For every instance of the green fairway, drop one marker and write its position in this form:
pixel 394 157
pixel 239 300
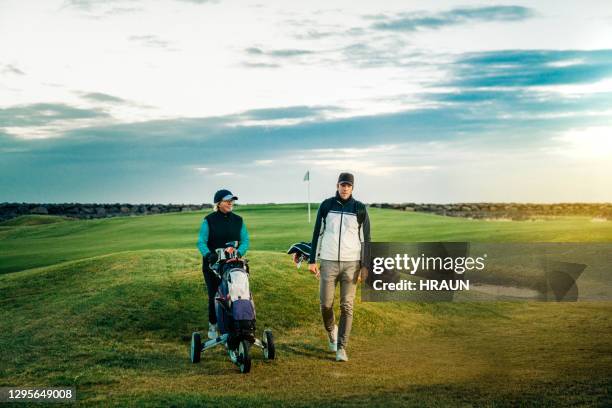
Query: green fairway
pixel 271 227
pixel 103 305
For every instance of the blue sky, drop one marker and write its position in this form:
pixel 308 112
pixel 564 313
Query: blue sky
pixel 168 101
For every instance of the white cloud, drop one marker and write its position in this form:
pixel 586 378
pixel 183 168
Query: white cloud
pixel 376 160
pixel 565 63
pixel 264 162
pixel 209 69
pixel 578 90
pixel 367 167
pixel 591 143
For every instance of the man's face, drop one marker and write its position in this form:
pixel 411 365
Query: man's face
pixel 226 206
pixel 345 190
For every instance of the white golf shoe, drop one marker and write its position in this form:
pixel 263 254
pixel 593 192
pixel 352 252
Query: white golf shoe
pixel 341 355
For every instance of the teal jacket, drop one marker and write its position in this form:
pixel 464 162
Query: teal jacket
pixel 203 239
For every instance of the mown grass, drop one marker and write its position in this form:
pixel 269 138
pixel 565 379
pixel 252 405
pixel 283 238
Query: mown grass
pixel 29 220
pixel 272 227
pixel 110 320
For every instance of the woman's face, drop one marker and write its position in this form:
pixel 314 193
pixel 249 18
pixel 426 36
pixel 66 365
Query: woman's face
pixel 226 206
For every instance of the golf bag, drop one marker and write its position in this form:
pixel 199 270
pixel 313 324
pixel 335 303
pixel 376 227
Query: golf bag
pixel 234 304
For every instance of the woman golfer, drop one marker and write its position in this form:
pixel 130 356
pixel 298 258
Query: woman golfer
pixel 219 228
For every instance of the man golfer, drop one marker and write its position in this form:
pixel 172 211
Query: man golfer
pixel 341 227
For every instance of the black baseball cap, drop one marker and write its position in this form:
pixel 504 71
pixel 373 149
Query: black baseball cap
pixel 224 195
pixel 346 178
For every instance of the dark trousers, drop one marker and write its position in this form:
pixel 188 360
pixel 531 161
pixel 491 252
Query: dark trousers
pixel 212 284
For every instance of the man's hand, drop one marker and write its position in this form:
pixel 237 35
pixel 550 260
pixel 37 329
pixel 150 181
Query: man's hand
pixel 363 274
pixel 313 268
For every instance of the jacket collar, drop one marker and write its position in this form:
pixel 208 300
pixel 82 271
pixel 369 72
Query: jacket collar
pixel 341 201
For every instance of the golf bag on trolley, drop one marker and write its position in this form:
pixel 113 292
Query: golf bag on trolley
pixel 235 312
pixel 234 304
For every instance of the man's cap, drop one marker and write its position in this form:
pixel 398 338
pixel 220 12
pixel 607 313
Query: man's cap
pixel 346 178
pixel 224 195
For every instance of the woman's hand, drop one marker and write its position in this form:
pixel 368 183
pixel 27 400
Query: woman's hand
pixel 313 268
pixel 212 258
pixel 230 251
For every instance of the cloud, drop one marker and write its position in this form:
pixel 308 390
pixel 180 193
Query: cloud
pixel 584 143
pixel 266 162
pixel 200 1
pixel 270 58
pixel 186 140
pixel 313 34
pixel 254 51
pixel 417 21
pixel 80 4
pixel 385 52
pixel 152 41
pixel 435 142
pixel 376 160
pixel 260 65
pixel 382 51
pixel 43 114
pixel 408 22
pixel 289 112
pixel 102 97
pixel 527 68
pixel 89 5
pixel 523 101
pixel 278 53
pixel 116 11
pixel 288 53
pixel 102 9
pixel 11 69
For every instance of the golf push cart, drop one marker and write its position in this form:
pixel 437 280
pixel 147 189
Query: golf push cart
pixel 235 311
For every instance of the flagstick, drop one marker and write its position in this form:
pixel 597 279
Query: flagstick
pixel 309 197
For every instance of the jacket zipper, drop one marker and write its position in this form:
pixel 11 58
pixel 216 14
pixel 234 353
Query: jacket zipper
pixel 340 230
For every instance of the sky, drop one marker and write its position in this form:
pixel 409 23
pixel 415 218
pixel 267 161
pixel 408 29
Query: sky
pixel 168 101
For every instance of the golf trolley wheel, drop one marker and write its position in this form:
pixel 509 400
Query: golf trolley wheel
pixel 269 350
pixel 196 347
pixel 244 358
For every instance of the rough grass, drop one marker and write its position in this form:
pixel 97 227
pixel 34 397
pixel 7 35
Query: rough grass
pixel 112 324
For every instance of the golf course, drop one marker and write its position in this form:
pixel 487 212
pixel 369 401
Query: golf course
pixel 108 306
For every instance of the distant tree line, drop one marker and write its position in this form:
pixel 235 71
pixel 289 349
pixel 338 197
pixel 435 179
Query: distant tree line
pixel 514 211
pixel 86 211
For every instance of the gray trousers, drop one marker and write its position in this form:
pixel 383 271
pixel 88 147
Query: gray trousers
pixel 347 273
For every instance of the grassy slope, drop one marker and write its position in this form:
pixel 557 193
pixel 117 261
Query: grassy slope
pixel 111 324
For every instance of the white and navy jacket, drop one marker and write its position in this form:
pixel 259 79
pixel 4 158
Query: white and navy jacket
pixel 340 229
